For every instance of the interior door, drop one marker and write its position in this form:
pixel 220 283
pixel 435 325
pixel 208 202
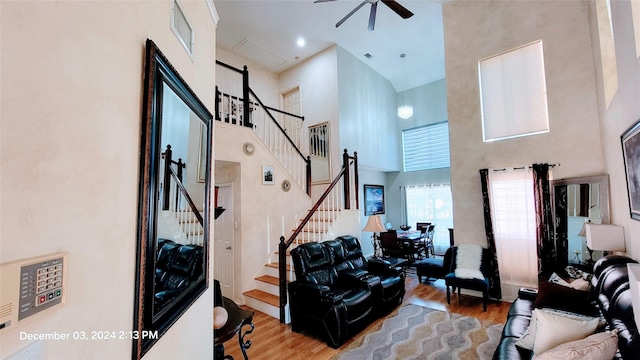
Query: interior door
pixel 224 241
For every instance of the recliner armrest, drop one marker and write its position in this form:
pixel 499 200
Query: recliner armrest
pixel 382 267
pixel 311 291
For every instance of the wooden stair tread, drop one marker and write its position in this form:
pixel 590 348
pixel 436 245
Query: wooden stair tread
pixel 275 265
pixel 269 280
pixel 263 296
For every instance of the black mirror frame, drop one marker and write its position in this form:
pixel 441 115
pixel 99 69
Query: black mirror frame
pixel 149 327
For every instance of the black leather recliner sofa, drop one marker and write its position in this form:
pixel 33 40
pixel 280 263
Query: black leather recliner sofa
pixel 611 300
pixel 177 267
pixel 333 297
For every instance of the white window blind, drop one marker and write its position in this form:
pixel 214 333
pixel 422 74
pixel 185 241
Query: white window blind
pixel 513 93
pixel 426 147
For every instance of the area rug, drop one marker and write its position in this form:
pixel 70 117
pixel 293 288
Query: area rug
pixel 418 332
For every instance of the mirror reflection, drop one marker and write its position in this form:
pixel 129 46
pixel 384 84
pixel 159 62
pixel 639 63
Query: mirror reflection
pixel 576 202
pixel 180 227
pixel 319 153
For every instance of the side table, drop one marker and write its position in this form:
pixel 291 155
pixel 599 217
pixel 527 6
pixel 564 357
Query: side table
pixel 238 318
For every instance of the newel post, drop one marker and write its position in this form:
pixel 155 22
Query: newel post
pixel 245 98
pixel 345 180
pixel 166 178
pixel 355 178
pixel 282 277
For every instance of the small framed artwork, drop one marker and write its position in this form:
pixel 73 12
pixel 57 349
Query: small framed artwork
pixel 631 154
pixel 267 175
pixel 373 199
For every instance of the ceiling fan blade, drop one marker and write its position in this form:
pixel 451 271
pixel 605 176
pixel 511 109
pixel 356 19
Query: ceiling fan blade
pixel 372 16
pixel 399 9
pixel 351 13
pixel 321 1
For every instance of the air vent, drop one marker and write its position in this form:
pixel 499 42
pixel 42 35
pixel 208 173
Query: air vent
pixel 5 310
pixel 181 27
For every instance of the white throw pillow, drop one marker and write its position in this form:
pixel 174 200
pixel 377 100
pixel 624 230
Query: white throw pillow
pixel 527 340
pixel 553 329
pixel 468 261
pixel 594 347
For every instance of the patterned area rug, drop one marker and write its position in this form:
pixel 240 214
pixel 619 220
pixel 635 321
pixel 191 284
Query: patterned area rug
pixel 418 332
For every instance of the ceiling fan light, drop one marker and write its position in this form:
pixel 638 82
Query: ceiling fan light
pixel 405 111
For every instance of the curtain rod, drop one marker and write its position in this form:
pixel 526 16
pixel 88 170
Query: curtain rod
pixel 523 167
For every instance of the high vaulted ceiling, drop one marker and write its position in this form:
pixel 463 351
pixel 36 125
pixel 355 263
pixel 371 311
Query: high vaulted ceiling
pixel 267 32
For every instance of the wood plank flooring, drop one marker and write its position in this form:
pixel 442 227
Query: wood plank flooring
pixel 273 340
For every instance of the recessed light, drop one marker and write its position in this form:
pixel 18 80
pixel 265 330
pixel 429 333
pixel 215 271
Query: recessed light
pixel 300 42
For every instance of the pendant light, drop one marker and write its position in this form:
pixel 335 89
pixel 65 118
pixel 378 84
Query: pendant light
pixel 404 111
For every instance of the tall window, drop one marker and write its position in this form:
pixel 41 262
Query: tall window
pixel 514 227
pixel 431 203
pixel 513 93
pixel 426 147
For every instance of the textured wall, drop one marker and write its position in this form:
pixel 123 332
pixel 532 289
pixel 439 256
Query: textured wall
pixel 71 82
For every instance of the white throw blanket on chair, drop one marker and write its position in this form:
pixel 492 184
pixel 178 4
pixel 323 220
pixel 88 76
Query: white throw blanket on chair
pixel 468 261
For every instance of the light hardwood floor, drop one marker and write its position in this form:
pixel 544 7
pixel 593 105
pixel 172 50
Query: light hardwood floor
pixel 273 340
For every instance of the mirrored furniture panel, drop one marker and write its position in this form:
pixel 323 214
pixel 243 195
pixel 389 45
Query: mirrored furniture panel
pixel 577 201
pixel 173 212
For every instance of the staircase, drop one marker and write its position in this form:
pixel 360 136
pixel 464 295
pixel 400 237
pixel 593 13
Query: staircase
pixel 238 105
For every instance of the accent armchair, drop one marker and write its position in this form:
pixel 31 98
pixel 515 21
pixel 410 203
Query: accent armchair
pixel 451 280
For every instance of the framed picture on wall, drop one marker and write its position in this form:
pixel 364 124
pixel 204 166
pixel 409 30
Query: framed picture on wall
pixel 373 199
pixel 267 175
pixel 631 154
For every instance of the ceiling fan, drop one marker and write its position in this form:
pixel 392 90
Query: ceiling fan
pixel 392 4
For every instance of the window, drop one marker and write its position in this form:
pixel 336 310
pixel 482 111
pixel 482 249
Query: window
pixel 431 203
pixel 514 229
pixel 513 94
pixel 426 147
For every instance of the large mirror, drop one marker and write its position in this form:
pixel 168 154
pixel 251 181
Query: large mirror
pixel 577 201
pixel 174 201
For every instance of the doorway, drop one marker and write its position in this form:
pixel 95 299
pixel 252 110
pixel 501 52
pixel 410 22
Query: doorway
pixel 224 236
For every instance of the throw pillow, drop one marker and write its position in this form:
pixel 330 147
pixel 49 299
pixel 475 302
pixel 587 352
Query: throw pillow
pixel 528 338
pixel 468 261
pixel 560 297
pixel 553 330
pixel 594 347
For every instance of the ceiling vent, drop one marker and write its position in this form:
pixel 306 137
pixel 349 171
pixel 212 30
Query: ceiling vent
pixel 181 27
pixel 259 53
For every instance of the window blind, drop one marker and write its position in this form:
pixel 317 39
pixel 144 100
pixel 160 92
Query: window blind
pixel 426 147
pixel 513 93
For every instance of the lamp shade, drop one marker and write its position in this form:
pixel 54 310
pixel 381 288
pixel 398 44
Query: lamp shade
pixel 405 111
pixel 605 237
pixel 634 287
pixel 374 224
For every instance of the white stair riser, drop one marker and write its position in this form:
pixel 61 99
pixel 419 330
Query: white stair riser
pixel 268 309
pixel 271 271
pixel 268 288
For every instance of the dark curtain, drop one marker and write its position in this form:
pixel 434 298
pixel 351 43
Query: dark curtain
pixel 495 291
pixel 562 227
pixel 544 230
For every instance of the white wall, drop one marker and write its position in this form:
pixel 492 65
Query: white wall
pixel 368 117
pixel 478 29
pixel 621 112
pixel 71 93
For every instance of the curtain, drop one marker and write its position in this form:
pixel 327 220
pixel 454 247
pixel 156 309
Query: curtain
pixel 495 290
pixel 544 239
pixel 513 217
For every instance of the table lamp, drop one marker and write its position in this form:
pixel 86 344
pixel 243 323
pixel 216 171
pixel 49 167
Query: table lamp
pixel 605 237
pixel 634 287
pixel 374 225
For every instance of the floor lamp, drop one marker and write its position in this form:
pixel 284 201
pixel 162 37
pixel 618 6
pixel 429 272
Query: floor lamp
pixel 374 225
